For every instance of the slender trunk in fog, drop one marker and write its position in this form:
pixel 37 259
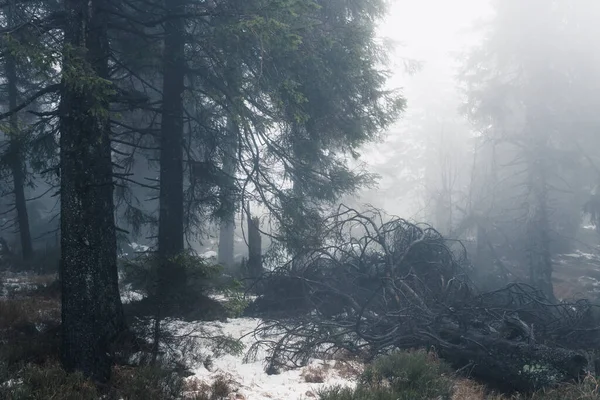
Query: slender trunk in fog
pixel 17 163
pixel 226 243
pixel 227 225
pixel 538 249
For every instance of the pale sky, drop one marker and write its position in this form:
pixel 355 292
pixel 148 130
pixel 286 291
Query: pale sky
pixel 431 30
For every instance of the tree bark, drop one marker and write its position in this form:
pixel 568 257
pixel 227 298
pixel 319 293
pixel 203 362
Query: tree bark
pixel 254 248
pixel 17 163
pixel 226 243
pixel 171 214
pixel 92 313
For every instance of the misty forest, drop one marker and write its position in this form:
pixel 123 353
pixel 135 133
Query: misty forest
pixel 299 199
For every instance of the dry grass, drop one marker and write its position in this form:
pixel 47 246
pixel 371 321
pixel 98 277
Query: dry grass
pixel 348 369
pixel 42 280
pixel 29 330
pixel 588 389
pixel 28 311
pixel 220 388
pixel 316 373
pixel 465 389
pixel 50 381
pixel 25 285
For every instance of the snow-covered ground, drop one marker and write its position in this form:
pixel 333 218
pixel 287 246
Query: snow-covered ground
pixel 249 380
pixel 128 295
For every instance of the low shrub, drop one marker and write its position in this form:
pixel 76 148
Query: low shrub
pixel 587 389
pixel 50 381
pixel 219 389
pixel 36 382
pixel 142 273
pixel 415 372
pixel 150 383
pixel 29 331
pixel 192 302
pixel 399 376
pixel 419 375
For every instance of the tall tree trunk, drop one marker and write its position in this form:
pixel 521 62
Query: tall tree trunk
pixel 171 215
pixel 17 163
pixel 92 313
pixel 538 227
pixel 254 247
pixel 226 243
pixel 227 225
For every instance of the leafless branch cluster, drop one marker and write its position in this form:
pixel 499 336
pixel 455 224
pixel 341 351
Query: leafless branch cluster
pixel 385 283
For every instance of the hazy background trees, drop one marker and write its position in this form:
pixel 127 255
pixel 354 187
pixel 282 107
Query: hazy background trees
pixel 501 156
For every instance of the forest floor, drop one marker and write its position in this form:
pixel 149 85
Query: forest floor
pixel 23 298
pixel 248 379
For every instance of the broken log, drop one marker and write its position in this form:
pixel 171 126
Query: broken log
pixel 514 366
pixel 381 286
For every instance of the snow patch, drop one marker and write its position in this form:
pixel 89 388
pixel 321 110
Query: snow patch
pixel 128 294
pixel 249 379
pixel 209 254
pixel 581 254
pixel 139 247
pixel 13 283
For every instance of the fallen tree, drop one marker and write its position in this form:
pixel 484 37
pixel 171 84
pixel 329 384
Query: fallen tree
pixel 381 284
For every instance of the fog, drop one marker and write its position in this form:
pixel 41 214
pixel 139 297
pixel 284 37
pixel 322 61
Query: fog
pixel 498 143
pixel 434 35
pixel 498 136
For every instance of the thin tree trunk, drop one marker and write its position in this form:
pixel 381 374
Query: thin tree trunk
pixel 254 247
pixel 226 243
pixel 539 255
pixel 171 214
pixel 227 225
pixel 92 313
pixel 17 163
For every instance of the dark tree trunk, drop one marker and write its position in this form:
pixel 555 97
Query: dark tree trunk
pixel 171 215
pixel 254 248
pixel 17 163
pixel 227 226
pixel 226 243
pixel 92 314
pixel 538 251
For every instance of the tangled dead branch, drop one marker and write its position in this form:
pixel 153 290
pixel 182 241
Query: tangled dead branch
pixel 380 284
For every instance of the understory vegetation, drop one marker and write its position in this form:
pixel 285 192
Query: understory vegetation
pixel 30 335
